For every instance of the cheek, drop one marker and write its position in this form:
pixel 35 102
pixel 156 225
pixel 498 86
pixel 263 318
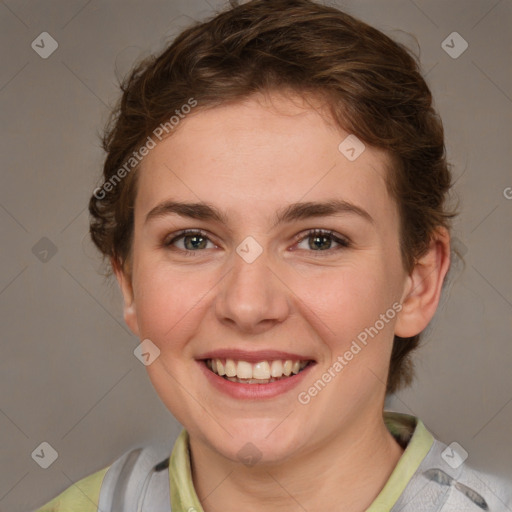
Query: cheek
pixel 168 303
pixel 346 307
pixel 350 297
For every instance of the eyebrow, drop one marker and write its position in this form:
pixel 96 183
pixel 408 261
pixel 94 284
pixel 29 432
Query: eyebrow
pixel 292 212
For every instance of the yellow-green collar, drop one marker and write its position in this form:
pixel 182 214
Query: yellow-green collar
pixel 408 430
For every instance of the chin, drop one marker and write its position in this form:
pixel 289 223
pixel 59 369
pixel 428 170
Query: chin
pixel 257 444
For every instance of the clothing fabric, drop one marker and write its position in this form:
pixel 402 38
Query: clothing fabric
pixel 429 477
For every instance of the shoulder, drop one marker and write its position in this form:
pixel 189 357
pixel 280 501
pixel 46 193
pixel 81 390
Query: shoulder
pixel 82 496
pixel 462 486
pixel 125 479
pixel 467 487
pixel 494 489
pixel 444 482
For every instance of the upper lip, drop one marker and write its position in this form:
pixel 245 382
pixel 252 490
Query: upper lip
pixel 252 356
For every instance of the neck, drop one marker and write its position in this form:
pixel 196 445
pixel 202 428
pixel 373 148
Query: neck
pixel 343 472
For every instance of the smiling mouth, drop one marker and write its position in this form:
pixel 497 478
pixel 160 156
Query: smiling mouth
pixel 262 372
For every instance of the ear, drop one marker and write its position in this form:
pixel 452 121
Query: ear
pixel 125 283
pixel 423 286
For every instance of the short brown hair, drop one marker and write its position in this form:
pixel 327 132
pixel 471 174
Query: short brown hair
pixel 373 87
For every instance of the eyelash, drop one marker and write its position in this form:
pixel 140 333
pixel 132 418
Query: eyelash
pixel 342 241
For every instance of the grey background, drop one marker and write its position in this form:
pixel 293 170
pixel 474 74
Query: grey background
pixel 68 373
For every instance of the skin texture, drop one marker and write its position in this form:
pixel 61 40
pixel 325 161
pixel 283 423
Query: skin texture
pixel 249 159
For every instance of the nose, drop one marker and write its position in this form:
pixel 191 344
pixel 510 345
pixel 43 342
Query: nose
pixel 253 297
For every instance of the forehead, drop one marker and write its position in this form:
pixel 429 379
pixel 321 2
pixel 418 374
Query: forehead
pixel 273 150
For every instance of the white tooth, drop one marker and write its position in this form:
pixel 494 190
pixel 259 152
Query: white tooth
pixel 220 367
pixel 276 369
pixel 261 370
pixel 230 368
pixel 244 370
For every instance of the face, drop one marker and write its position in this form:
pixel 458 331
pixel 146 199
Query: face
pixel 261 279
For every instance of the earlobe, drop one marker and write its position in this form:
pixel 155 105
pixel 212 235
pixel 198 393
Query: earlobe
pixel 129 309
pixel 422 290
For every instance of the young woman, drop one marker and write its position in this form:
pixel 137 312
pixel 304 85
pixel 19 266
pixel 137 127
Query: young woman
pixel 274 209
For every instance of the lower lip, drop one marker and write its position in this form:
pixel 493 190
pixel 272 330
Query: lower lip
pixel 254 391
